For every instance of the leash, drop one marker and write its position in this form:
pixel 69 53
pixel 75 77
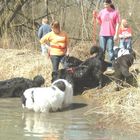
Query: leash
pixel 94 23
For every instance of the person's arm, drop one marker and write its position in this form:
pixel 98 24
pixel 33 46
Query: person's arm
pixel 116 31
pixel 117 25
pixel 120 33
pixel 96 17
pixel 40 33
pixel 45 39
pixel 67 45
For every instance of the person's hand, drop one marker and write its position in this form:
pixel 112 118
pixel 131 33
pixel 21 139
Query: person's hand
pixel 67 54
pixel 115 37
pixel 94 13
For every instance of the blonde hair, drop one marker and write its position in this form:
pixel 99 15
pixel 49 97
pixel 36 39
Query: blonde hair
pixel 45 20
pixel 122 23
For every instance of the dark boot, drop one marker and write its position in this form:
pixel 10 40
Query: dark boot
pixel 54 76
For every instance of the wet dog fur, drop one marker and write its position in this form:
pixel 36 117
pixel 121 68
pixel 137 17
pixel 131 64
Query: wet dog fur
pixel 15 87
pixel 70 61
pixel 48 99
pixel 121 66
pixel 88 74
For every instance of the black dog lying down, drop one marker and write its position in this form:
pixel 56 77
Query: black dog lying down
pixel 88 73
pixel 121 66
pixel 16 86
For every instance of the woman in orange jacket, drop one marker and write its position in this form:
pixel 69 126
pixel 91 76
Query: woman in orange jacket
pixel 58 46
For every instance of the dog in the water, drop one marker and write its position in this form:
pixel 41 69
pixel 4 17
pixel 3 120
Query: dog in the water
pixel 47 99
pixel 121 67
pixel 15 87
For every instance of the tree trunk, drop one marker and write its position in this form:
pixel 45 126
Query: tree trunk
pixel 9 15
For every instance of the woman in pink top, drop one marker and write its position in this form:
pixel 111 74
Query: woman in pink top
pixel 109 19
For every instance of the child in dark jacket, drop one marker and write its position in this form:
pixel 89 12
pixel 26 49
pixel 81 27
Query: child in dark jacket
pixel 43 30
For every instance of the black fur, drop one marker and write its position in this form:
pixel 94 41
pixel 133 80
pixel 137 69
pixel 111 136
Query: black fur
pixel 16 86
pixel 67 62
pixel 116 52
pixel 88 73
pixel 121 66
pixel 23 100
pixel 71 61
pixel 61 85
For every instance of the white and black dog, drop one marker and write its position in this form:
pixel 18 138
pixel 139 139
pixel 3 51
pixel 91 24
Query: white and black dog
pixel 57 96
pixel 122 63
pixel 118 52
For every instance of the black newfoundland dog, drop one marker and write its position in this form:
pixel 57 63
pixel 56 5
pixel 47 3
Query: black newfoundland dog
pixel 88 73
pixel 121 67
pixel 16 86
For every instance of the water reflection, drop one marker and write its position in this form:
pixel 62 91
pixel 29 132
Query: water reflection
pixel 38 124
pixel 70 124
pixel 59 125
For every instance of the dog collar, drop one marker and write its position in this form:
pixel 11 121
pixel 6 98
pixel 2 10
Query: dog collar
pixel 71 70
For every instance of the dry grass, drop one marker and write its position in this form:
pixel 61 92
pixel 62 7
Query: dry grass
pixel 24 63
pixel 121 108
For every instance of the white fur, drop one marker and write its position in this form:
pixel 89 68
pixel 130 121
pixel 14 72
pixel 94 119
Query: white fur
pixel 68 92
pixel 115 47
pixel 48 98
pixel 122 52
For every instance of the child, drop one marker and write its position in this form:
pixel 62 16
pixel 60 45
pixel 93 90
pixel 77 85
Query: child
pixel 125 35
pixel 43 30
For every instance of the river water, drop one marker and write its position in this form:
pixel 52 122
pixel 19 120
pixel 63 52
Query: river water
pixel 70 124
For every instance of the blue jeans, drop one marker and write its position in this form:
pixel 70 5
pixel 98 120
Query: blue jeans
pixel 107 43
pixel 125 43
pixel 55 59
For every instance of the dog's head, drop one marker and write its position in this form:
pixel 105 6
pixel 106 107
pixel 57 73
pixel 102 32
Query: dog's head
pixel 38 80
pixel 97 51
pixel 65 86
pixel 70 61
pixel 61 85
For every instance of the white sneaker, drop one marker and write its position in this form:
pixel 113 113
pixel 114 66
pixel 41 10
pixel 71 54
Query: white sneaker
pixel 109 69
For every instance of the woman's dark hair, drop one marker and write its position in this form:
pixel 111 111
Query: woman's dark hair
pixel 108 1
pixel 112 6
